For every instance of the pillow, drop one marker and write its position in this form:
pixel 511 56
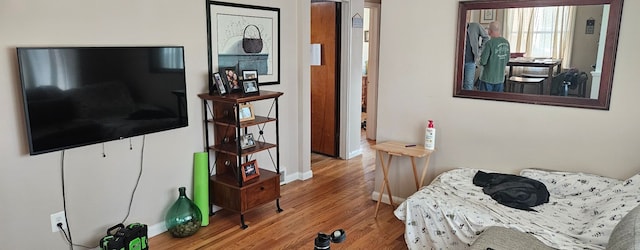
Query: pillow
pixel 626 235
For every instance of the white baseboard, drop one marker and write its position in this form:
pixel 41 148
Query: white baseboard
pixel 156 229
pixel 296 176
pixel 385 198
pixel 306 175
pixel 354 153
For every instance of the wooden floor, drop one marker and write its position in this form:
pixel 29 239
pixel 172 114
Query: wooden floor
pixel 337 197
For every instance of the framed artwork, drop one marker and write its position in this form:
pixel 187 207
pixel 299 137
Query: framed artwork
pixel 250 170
pixel 245 37
pixel 246 112
pixel 250 87
pixel 233 81
pixel 247 141
pixel 487 16
pixel 219 84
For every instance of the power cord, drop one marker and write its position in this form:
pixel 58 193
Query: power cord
pixel 133 193
pixel 64 198
pixel 66 218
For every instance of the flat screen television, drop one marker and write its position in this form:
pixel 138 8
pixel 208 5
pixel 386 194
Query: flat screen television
pixel 76 96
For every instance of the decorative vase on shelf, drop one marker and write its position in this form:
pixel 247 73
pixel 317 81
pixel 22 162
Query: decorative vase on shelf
pixel 184 217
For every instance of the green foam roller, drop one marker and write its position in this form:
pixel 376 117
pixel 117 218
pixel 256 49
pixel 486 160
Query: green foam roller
pixel 201 184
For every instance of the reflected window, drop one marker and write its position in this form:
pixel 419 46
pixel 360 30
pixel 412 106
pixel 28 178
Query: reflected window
pixel 168 59
pixel 541 31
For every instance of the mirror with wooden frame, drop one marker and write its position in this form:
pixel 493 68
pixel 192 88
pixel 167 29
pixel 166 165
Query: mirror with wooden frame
pixel 562 52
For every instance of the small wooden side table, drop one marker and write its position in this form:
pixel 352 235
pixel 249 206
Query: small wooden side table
pixel 394 148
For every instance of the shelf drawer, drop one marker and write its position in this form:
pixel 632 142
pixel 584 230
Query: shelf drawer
pixel 225 192
pixel 261 193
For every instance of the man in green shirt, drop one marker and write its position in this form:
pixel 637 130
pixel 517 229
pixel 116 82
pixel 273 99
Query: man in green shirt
pixel 494 58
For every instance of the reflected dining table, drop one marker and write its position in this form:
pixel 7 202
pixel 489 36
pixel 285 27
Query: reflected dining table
pixel 549 63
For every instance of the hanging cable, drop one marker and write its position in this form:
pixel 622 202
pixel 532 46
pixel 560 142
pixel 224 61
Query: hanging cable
pixel 133 193
pixel 64 208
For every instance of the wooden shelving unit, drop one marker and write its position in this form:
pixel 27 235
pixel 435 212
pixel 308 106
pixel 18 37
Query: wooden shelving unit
pixel 226 187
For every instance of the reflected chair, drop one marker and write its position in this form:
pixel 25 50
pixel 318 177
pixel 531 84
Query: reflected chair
pixel 514 81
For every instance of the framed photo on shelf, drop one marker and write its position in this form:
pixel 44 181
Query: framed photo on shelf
pixel 255 30
pixel 249 75
pixel 250 170
pixel 233 81
pixel 247 141
pixel 250 87
pixel 219 84
pixel 246 112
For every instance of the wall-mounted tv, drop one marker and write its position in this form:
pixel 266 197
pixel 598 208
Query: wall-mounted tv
pixel 76 96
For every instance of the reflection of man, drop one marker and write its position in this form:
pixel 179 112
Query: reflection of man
pixel 473 46
pixel 494 58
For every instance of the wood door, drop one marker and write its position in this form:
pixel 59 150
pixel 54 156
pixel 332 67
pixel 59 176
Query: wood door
pixel 325 30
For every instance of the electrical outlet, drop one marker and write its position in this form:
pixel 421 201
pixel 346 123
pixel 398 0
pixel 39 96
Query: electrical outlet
pixel 56 218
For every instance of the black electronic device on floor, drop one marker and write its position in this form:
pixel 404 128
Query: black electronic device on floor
pixel 131 237
pixel 323 241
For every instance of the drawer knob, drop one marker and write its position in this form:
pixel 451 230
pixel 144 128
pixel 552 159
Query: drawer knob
pixel 262 188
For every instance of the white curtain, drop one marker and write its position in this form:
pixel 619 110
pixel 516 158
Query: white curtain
pixel 545 32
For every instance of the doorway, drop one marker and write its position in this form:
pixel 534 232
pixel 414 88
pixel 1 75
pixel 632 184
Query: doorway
pixel 325 78
pixel 370 51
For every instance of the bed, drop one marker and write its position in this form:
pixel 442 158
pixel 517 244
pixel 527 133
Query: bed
pixel 582 210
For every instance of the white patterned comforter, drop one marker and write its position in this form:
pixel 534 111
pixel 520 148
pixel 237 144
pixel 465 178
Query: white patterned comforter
pixel 582 211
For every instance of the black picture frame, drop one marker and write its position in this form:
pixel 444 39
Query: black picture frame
pixel 234 83
pixel 250 170
pixel 219 84
pixel 226 23
pixel 250 87
pixel 250 74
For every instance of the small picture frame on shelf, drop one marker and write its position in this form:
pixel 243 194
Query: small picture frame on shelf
pixel 250 170
pixel 219 84
pixel 246 112
pixel 247 141
pixel 233 81
pixel 250 75
pixel 250 87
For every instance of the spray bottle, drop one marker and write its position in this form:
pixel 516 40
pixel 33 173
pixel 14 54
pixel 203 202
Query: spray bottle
pixel 430 136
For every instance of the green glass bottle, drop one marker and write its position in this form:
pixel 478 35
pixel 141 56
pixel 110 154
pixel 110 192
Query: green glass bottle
pixel 184 217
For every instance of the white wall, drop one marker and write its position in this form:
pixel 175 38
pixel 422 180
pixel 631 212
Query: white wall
pixel 97 188
pixel 416 84
pixel 351 80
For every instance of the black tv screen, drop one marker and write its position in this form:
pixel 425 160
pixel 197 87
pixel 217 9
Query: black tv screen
pixel 75 96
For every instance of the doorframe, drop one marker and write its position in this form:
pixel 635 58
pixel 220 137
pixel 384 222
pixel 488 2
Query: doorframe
pixel 350 84
pixel 345 70
pixel 372 71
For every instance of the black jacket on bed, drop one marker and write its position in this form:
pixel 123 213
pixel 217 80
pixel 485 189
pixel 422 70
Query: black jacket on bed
pixel 512 190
